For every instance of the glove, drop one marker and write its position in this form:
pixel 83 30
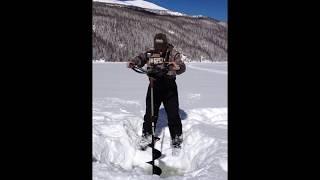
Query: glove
pixel 130 64
pixel 175 66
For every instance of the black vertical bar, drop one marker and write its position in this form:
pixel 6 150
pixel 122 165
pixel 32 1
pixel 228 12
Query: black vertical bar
pixel 152 119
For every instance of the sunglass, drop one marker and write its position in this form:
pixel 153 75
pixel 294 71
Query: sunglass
pixel 159 41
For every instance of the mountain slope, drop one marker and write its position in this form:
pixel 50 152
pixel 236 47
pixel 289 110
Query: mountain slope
pixel 138 3
pixel 148 6
pixel 121 32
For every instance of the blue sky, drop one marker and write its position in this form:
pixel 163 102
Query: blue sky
pixel 217 9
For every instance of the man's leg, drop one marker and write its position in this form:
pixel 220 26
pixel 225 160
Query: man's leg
pixel 171 105
pixel 147 124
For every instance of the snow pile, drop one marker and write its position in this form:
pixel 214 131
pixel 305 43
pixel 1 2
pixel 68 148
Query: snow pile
pixel 99 61
pixel 170 31
pixel 223 23
pixel 116 133
pixel 118 109
pixel 174 13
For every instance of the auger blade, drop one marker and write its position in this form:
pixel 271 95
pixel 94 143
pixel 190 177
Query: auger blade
pixel 156 169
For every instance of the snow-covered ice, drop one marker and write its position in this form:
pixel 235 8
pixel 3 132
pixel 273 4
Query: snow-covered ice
pixel 118 109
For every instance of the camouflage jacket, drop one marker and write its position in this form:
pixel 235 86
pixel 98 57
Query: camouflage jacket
pixel 173 56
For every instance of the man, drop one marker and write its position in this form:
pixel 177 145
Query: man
pixel 168 63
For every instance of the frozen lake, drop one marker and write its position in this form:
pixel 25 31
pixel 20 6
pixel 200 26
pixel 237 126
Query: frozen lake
pixel 202 85
pixel 118 109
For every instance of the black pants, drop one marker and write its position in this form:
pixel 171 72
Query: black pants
pixel 164 91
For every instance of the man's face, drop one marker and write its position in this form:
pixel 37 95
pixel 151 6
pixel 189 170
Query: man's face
pixel 160 45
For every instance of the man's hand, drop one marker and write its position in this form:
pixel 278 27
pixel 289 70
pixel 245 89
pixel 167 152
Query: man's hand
pixel 130 64
pixel 174 65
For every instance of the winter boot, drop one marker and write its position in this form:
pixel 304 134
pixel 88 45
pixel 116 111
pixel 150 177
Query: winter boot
pixel 176 145
pixel 144 142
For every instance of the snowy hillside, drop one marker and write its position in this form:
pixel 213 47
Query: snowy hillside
pixel 118 109
pixel 121 32
pixel 138 3
pixel 143 4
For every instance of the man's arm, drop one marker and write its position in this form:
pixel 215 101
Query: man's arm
pixel 181 66
pixel 139 60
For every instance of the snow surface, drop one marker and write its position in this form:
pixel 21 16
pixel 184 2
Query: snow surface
pixel 118 109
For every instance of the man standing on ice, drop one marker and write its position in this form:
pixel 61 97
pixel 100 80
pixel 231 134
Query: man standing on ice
pixel 164 89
